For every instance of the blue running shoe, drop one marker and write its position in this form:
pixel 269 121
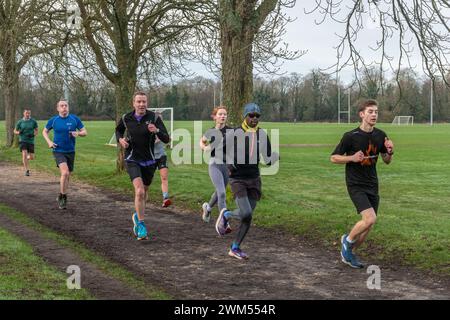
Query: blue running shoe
pixel 346 251
pixel 222 222
pixel 238 254
pixel 355 263
pixel 142 231
pixel 135 219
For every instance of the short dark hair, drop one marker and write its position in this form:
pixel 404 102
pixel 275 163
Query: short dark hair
pixel 62 100
pixel 139 93
pixel 367 103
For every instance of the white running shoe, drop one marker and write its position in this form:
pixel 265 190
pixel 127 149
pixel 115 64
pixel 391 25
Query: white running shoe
pixel 206 216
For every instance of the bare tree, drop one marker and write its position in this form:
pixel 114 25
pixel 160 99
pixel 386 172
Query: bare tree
pixel 239 37
pixel 403 26
pixel 126 35
pixel 27 29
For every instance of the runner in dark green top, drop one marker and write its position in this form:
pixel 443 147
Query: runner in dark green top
pixel 27 129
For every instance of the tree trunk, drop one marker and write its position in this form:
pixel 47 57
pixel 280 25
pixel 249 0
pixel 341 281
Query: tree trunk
pixel 237 73
pixel 10 101
pixel 240 20
pixel 11 97
pixel 124 92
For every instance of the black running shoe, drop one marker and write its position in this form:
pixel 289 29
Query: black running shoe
pixel 62 201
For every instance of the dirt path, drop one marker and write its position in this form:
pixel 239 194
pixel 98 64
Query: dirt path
pixel 189 260
pixel 94 280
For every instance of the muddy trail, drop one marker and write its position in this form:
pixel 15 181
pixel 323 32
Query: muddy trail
pixel 188 260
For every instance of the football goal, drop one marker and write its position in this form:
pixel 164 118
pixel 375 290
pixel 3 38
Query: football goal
pixel 403 120
pixel 167 116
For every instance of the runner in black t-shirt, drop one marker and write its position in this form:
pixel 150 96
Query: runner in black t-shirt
pixel 360 149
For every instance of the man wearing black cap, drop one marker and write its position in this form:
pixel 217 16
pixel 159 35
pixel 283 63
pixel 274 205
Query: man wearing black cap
pixel 244 147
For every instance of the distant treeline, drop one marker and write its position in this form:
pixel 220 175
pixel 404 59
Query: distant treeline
pixel 308 98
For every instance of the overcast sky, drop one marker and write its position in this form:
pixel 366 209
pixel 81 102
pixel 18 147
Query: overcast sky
pixel 319 41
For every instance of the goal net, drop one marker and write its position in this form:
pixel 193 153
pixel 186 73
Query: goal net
pixel 167 116
pixel 403 120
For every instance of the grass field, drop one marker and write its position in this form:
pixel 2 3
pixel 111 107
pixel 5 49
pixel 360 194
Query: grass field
pixel 308 195
pixel 25 276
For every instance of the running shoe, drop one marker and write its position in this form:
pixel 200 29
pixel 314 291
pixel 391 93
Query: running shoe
pixel 142 231
pixel 62 201
pixel 206 216
pixel 166 203
pixel 347 256
pixel 238 254
pixel 222 222
pixel 228 229
pixel 355 263
pixel 135 219
pixel 27 173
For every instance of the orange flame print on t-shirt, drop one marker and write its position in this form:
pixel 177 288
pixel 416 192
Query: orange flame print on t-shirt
pixel 371 151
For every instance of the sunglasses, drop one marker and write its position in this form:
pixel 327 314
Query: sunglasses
pixel 253 115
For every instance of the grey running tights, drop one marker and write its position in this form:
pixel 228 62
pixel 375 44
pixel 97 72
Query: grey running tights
pixel 246 206
pixel 219 177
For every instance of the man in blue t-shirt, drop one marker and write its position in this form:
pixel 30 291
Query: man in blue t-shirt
pixel 66 128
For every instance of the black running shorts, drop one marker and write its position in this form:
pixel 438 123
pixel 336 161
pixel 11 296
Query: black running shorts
pixel 29 147
pixel 250 188
pixel 364 199
pixel 68 158
pixel 161 163
pixel 136 171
